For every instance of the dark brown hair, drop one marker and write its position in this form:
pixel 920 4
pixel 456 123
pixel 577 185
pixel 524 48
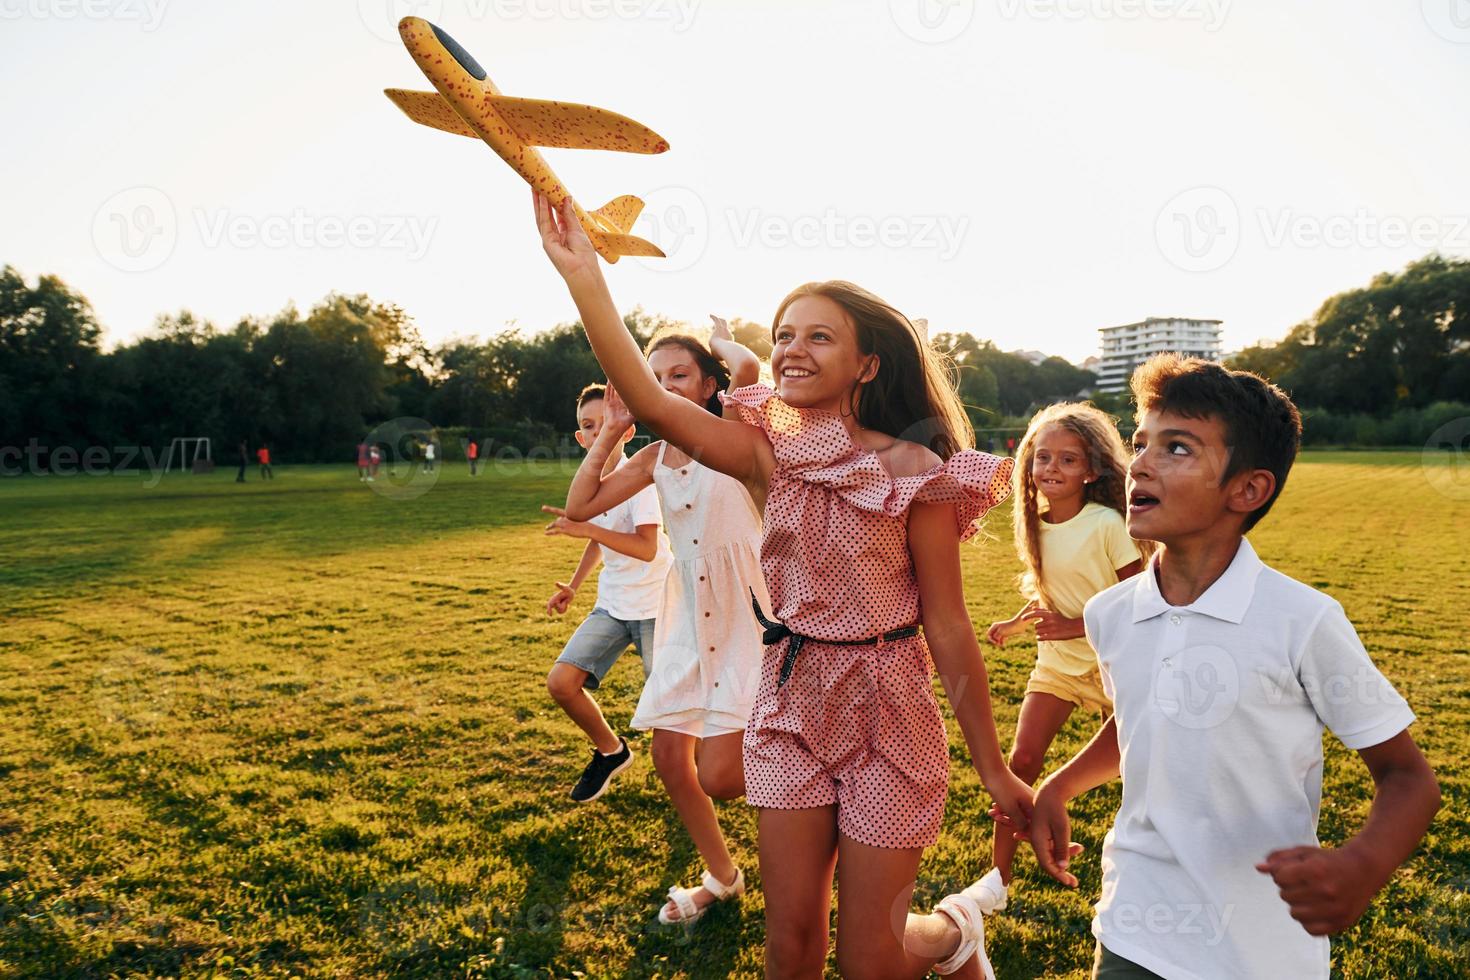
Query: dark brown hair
pixel 707 362
pixel 913 394
pixel 1263 429
pixel 591 393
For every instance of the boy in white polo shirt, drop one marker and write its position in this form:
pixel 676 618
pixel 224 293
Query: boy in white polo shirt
pixel 635 554
pixel 1223 673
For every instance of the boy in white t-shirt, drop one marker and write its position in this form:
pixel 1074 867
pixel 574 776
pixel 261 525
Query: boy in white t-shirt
pixel 635 556
pixel 1223 674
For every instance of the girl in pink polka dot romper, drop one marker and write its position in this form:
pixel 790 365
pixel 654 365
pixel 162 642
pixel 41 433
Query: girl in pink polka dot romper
pixel 845 750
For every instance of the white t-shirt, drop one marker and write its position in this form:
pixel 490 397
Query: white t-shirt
pixel 1220 708
pixel 627 588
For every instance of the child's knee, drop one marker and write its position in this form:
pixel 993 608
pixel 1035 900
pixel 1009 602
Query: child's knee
pixel 673 761
pixel 1026 762
pixel 564 683
pixel 724 782
pixel 794 951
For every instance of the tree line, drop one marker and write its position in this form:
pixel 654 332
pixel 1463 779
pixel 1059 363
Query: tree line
pixel 1380 364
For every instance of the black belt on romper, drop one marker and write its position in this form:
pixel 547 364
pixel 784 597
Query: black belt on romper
pixel 776 632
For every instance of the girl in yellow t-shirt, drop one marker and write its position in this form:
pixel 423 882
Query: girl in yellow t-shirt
pixel 1073 547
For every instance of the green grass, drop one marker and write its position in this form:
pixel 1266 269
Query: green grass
pixel 299 728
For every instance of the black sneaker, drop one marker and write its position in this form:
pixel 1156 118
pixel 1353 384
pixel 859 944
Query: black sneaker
pixel 599 773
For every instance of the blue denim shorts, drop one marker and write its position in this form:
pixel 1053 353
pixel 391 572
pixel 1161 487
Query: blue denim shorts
pixel 601 640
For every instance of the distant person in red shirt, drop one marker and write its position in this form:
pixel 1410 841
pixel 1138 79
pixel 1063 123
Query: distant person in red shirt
pixel 263 456
pixel 1010 445
pixel 362 462
pixel 472 452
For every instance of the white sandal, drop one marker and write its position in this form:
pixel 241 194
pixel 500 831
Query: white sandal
pixel 965 909
pixel 683 898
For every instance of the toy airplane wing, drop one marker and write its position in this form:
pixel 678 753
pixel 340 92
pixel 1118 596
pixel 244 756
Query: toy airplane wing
pixel 564 125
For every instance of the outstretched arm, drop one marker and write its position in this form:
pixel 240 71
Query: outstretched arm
pixel 733 448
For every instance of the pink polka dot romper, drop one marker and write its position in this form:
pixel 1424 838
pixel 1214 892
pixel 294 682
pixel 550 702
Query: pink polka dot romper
pixel 857 726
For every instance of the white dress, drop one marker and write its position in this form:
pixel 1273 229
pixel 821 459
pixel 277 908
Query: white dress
pixel 707 645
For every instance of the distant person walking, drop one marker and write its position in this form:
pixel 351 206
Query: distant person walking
pixel 375 456
pixel 244 455
pixel 472 452
pixel 362 462
pixel 263 456
pixel 428 457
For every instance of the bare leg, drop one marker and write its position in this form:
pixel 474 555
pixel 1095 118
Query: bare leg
pixel 721 764
pixel 673 757
pixel 877 936
pixel 798 854
pixel 1042 716
pixel 564 683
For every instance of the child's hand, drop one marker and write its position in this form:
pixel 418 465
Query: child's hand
pixel 560 599
pixel 570 528
pixel 1012 796
pixel 720 331
pixel 1054 626
pixel 1327 890
pixel 615 414
pixel 1003 630
pixel 1050 835
pixel 563 238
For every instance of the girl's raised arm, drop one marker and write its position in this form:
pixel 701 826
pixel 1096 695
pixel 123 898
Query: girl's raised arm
pixel 733 448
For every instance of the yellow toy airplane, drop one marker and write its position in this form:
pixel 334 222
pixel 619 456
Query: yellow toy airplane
pixel 468 103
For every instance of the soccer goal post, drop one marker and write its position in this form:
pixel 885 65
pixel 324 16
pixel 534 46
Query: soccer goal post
pixel 193 453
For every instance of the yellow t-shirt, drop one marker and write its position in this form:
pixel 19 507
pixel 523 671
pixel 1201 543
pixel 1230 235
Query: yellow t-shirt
pixel 1080 558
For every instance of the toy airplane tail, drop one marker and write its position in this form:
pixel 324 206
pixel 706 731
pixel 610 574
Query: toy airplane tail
pixel 608 228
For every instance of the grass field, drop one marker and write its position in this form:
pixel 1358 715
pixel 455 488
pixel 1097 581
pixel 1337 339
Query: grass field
pixel 299 729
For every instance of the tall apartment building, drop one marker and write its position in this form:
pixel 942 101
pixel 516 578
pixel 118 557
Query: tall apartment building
pixel 1127 346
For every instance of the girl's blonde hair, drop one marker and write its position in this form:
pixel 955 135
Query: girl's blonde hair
pixel 1106 456
pixel 913 396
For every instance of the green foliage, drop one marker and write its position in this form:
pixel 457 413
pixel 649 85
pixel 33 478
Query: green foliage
pixel 1401 342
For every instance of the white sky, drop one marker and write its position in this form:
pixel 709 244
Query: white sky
pixel 1013 168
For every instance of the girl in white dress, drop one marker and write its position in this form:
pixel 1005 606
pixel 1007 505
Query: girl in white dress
pixel 707 645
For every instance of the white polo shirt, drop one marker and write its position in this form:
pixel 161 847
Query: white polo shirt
pixel 1220 710
pixel 629 589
